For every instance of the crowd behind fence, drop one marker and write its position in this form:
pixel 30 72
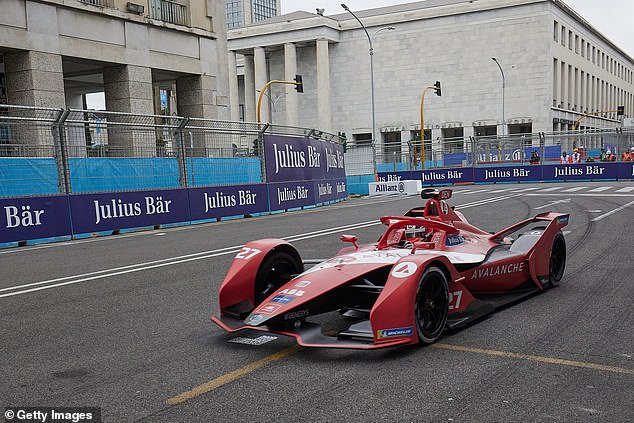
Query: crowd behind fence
pixel 49 151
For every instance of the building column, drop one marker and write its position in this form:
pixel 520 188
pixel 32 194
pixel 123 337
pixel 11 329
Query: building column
pixel 128 89
pixel 290 70
pixel 34 79
pixel 324 118
pixel 259 59
pixel 195 96
pixel 249 88
pixel 234 98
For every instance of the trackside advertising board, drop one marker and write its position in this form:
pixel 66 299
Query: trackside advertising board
pixel 33 218
pixel 595 171
pixel 213 202
pixel 119 210
pixel 302 159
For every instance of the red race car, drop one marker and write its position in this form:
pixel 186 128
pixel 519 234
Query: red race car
pixel 431 270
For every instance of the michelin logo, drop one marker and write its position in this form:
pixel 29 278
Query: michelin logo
pixel 396 332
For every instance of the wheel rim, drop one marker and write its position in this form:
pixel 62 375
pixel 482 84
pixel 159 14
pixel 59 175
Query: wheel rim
pixel 431 310
pixel 558 259
pixel 276 274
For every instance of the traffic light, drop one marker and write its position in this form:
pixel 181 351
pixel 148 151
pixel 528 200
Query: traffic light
pixel 344 141
pixel 620 110
pixel 256 147
pixel 437 88
pixel 299 86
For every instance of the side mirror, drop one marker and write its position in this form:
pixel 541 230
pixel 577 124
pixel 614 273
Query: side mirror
pixel 350 238
pixel 421 245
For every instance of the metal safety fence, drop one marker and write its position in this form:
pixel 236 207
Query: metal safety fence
pixel 518 149
pixel 62 151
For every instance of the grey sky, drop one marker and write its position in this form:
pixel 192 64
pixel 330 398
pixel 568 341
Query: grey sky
pixel 613 18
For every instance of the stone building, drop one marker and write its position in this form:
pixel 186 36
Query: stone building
pixel 556 66
pixel 54 52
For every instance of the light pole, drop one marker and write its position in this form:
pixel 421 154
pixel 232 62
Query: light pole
pixel 503 89
pixel 387 28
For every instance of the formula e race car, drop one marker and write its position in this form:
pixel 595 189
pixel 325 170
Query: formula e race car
pixel 430 271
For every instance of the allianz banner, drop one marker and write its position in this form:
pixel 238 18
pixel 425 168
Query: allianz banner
pixel 32 218
pixel 302 159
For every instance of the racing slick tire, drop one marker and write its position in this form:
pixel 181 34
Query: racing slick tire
pixel 276 269
pixel 432 305
pixel 557 260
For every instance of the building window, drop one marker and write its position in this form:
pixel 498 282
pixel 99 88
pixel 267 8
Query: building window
pixel 583 48
pixel 362 139
pixel 556 32
pixel 577 44
pixel 563 35
pixel 570 40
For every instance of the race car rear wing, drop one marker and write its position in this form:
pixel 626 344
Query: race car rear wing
pixel 560 219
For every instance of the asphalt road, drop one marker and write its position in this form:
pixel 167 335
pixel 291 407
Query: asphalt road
pixel 122 323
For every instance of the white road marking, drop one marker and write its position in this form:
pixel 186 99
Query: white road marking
pixel 626 189
pixel 610 213
pixel 500 190
pixel 567 200
pixel 550 189
pixel 479 191
pixel 594 211
pixel 599 189
pixel 575 189
pixel 526 189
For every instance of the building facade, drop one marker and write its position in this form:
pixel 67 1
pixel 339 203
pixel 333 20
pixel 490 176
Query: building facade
pixel 146 56
pixel 554 68
pixel 245 12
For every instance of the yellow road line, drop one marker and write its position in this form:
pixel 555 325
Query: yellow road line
pixel 230 377
pixel 528 357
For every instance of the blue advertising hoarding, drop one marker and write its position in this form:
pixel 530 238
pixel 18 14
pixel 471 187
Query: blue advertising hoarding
pixel 290 195
pixel 118 210
pixel 214 202
pixel 626 170
pixel 532 173
pixel 329 190
pixel 33 217
pixel 302 159
pixel 578 172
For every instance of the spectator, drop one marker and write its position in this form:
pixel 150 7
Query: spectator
pixel 576 157
pixel 603 155
pixel 625 156
pixel 565 159
pixel 535 157
pixel 630 157
pixel 609 157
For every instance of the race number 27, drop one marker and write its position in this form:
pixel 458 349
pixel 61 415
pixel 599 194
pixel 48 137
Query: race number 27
pixel 246 253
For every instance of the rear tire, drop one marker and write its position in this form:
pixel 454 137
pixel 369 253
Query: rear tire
pixel 432 305
pixel 557 263
pixel 277 268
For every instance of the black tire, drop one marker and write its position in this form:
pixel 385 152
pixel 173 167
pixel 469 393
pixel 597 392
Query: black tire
pixel 432 305
pixel 277 268
pixel 557 263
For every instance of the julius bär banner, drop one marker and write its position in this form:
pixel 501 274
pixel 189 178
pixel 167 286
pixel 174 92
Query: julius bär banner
pixel 221 201
pixel 302 159
pixel 31 218
pixel 119 210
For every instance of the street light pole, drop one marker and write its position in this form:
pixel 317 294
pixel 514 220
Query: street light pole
pixel 503 89
pixel 388 28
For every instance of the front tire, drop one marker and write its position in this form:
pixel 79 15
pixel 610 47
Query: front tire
pixel 277 268
pixel 432 305
pixel 557 263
